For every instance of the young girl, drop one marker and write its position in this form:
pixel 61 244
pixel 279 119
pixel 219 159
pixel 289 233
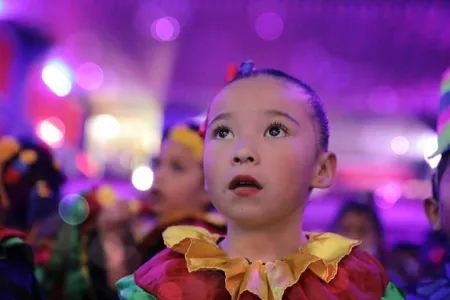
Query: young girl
pixel 177 196
pixel 266 148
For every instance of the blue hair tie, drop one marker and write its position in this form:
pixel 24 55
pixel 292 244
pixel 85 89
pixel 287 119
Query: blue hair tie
pixel 246 67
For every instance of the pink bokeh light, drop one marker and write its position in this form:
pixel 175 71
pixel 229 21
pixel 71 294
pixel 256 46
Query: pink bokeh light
pixel 165 29
pixel 387 195
pixel 51 131
pixel 89 76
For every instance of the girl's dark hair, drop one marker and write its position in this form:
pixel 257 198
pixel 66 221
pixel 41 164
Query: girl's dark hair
pixel 318 110
pixel 440 170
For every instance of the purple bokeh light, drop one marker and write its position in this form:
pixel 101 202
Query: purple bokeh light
pixel 269 26
pixel 165 29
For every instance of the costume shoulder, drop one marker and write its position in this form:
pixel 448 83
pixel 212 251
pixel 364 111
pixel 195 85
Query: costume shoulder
pixel 14 247
pixel 366 273
pixel 16 265
pixel 166 276
pixel 7 233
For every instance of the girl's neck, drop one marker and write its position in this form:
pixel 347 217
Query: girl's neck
pixel 267 242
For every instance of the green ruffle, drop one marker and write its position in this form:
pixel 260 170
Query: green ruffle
pixel 392 292
pixel 128 290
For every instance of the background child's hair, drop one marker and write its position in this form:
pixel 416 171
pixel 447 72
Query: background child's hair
pixel 189 124
pixel 318 110
pixel 361 206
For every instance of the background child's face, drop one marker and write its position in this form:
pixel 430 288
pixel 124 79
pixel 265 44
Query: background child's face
pixel 178 180
pixel 357 226
pixel 268 121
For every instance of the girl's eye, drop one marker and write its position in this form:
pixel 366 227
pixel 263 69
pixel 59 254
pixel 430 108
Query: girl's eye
pixel 222 133
pixel 276 130
pixel 178 167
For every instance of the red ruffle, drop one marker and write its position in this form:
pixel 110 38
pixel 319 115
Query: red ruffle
pixel 360 276
pixel 9 233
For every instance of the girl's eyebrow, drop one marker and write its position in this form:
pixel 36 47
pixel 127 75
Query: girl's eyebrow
pixel 271 112
pixel 221 116
pixel 279 113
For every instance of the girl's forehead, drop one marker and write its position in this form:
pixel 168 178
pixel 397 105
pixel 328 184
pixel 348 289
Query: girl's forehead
pixel 258 92
pixel 174 150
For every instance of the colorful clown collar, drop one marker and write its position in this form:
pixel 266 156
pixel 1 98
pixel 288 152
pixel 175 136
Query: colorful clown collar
pixel 321 255
pixel 190 138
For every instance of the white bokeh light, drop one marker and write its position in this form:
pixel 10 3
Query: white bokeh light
pixel 400 145
pixel 51 131
pixel 104 127
pixel 429 145
pixel 58 77
pixel 142 178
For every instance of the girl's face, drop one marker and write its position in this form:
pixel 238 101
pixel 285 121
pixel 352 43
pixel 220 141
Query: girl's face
pixel 261 127
pixel 178 180
pixel 356 226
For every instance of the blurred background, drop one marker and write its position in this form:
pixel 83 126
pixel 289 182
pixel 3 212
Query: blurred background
pixel 98 81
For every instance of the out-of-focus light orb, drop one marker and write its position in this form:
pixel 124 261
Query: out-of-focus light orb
pixel 400 145
pixel 151 141
pixel 86 165
pixel 51 131
pixel 142 178
pixel 165 29
pixel 387 195
pixel 89 76
pixel 429 146
pixel 73 209
pixel 58 77
pixel 269 26
pixel 104 127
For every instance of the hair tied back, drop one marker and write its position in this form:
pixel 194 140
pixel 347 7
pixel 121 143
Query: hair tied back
pixel 246 67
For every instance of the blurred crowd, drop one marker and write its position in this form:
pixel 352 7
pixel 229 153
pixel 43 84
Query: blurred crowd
pixel 84 244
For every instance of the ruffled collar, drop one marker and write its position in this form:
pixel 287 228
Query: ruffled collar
pixel 321 255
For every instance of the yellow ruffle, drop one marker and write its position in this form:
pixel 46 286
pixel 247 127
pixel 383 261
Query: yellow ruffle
pixel 321 254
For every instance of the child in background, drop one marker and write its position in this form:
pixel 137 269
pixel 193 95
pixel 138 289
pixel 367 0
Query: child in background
pixel 437 208
pixel 359 220
pixel 81 252
pixel 30 181
pixel 177 196
pixel 266 149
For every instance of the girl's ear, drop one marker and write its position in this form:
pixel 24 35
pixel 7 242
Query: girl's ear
pixel 326 170
pixel 431 208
